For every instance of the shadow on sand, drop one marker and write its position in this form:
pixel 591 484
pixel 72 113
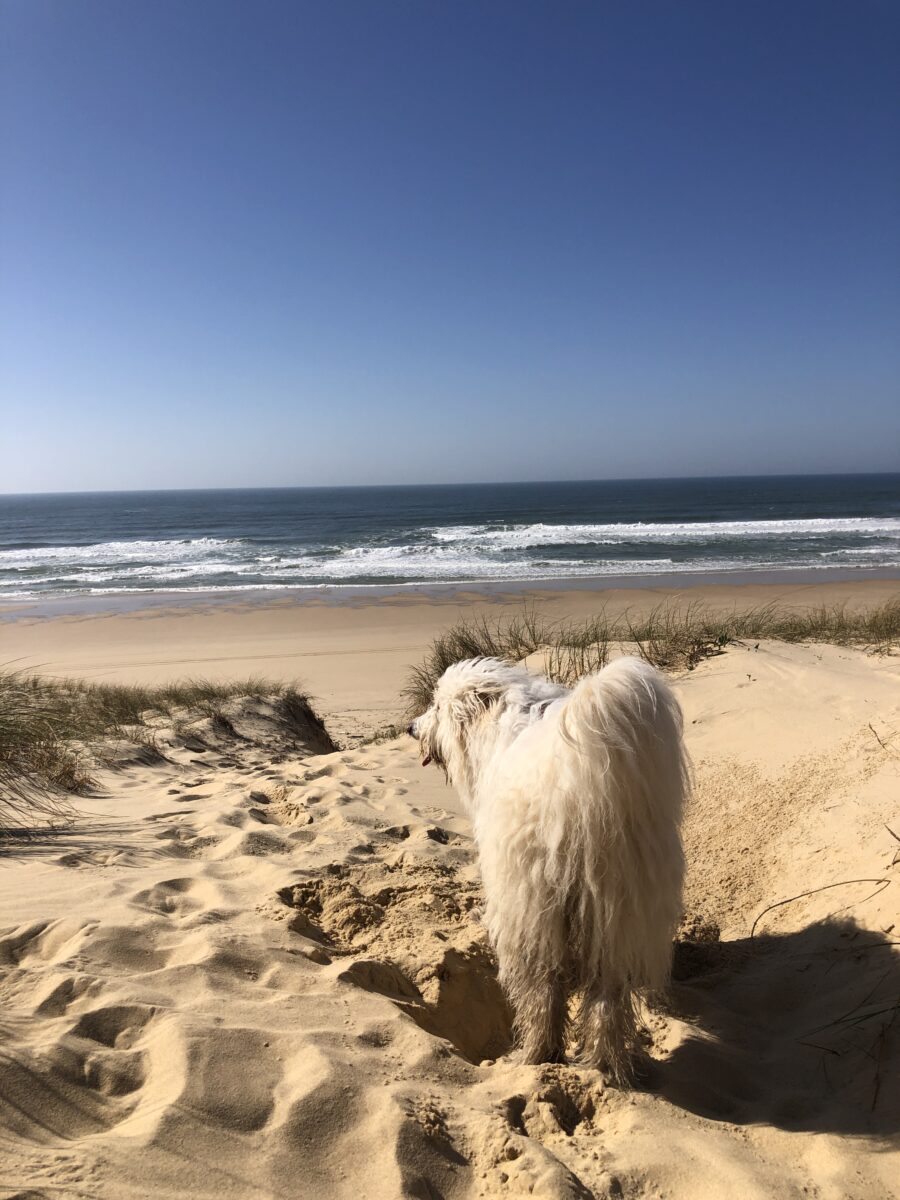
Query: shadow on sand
pixel 798 1030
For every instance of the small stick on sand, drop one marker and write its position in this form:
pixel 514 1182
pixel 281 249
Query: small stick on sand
pixel 882 1038
pixel 850 1016
pixel 824 1049
pixel 824 888
pixel 877 738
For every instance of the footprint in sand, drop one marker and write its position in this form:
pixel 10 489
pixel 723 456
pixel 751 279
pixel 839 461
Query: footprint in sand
pixel 237 818
pixel 253 843
pixel 47 941
pixel 217 1084
pixel 397 833
pixel 182 842
pixel 96 858
pixel 116 1025
pixel 101 1047
pixel 329 796
pixel 302 836
pixel 127 948
pixel 175 897
pixel 56 995
pixel 322 773
pixel 172 831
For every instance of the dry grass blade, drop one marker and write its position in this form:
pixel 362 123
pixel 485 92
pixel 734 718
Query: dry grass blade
pixel 814 891
pixel 853 1015
pixel 881 1041
pixel 52 732
pixel 671 636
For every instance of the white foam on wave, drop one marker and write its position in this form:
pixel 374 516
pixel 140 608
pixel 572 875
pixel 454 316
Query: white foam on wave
pixel 543 534
pixel 858 551
pixel 454 554
pixel 597 570
pixel 101 553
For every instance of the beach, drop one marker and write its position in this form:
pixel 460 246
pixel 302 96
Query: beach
pixel 449 602
pixel 352 651
pixel 254 965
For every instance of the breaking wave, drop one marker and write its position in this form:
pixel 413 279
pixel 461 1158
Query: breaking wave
pixel 451 554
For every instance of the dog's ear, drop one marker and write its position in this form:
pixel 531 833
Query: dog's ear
pixel 474 703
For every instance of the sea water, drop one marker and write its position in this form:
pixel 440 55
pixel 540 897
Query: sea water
pixel 257 539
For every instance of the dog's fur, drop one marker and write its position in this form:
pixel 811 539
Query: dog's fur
pixel 576 799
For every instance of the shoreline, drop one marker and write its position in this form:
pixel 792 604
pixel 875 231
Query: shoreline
pixel 351 653
pixel 357 595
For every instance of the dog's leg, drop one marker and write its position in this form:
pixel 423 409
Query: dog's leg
pixel 538 999
pixel 608 1026
pixel 526 923
pixel 529 939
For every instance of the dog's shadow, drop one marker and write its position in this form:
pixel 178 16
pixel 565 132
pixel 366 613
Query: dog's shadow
pixel 798 1030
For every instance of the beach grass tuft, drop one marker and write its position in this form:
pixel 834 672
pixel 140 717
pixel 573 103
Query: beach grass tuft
pixel 54 732
pixel 671 636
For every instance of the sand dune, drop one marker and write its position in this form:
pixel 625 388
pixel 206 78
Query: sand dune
pixel 254 969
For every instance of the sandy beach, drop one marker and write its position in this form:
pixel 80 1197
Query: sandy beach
pixel 254 966
pixel 350 651
pixel 521 378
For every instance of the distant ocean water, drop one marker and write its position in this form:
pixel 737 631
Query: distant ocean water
pixel 128 542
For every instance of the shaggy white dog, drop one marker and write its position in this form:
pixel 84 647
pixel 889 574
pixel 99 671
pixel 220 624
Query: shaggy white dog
pixel 576 798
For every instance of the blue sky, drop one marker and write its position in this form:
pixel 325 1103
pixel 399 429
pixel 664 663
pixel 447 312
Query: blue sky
pixel 408 241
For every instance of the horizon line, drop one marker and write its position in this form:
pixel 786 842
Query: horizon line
pixel 324 487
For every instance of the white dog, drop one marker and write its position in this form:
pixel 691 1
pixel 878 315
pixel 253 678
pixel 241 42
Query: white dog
pixel 576 798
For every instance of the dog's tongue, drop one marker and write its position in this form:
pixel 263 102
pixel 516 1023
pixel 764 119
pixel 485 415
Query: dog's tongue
pixel 426 760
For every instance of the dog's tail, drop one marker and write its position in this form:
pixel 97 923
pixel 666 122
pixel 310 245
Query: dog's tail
pixel 618 850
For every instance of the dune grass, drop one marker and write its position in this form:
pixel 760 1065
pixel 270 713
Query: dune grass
pixel 671 637
pixel 53 731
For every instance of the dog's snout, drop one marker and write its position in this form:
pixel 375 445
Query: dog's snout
pixel 411 729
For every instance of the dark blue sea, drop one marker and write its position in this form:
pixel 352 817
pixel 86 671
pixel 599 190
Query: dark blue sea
pixel 127 542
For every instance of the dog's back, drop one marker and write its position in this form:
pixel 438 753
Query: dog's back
pixel 578 825
pixel 625 781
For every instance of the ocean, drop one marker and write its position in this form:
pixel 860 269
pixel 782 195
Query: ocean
pixel 257 539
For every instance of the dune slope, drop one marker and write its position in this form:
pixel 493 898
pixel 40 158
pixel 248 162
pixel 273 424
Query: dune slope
pixel 253 969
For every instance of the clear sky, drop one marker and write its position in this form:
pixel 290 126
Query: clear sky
pixel 287 243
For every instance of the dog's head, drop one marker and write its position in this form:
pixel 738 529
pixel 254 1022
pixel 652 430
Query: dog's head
pixel 464 699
